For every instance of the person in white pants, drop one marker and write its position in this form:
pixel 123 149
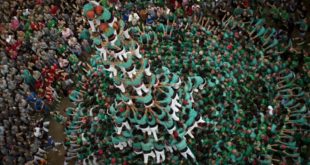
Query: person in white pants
pixel 159 148
pixel 190 129
pixel 173 115
pixel 147 69
pixel 188 152
pixel 146 156
pixel 121 55
pixel 141 88
pixel 120 145
pixel 175 105
pixel 103 53
pixel 132 72
pixel 160 156
pixel 45 125
pixel 153 130
pixel 136 52
pixel 37 133
pixel 124 123
pixel 121 87
pixel 112 69
pixel 169 148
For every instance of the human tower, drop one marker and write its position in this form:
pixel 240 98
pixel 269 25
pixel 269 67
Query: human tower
pixel 151 111
pixel 148 102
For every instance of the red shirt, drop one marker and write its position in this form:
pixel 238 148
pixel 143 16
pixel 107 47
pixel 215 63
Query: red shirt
pixel 38 84
pixel 229 47
pixel 100 152
pixel 245 3
pixel 54 10
pixel 175 134
pixel 189 11
pixel 34 26
pixel 177 5
pixel 113 160
pixel 38 2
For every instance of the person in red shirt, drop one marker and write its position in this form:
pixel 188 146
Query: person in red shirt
pixel 189 10
pixel 53 10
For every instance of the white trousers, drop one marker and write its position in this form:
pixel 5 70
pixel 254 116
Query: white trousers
pixel 121 55
pixel 178 84
pixel 137 52
pixel 170 131
pixel 148 71
pixel 126 34
pixel 92 25
pixel 154 131
pixel 121 145
pixel 132 73
pixel 103 53
pixel 146 130
pixel 46 124
pixel 113 70
pixel 190 129
pixel 169 148
pixel 188 152
pixel 113 43
pixel 175 105
pixel 141 88
pixel 160 156
pixel 121 87
pixel 146 156
pixel 111 24
pixel 124 124
pixel 174 116
pixel 138 153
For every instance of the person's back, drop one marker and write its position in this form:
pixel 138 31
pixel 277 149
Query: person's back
pixel 133 18
pixel 37 132
pixel 143 14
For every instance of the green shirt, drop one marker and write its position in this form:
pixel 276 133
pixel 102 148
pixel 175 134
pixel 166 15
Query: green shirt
pixel 106 15
pixel 145 99
pixel 146 147
pixel 181 145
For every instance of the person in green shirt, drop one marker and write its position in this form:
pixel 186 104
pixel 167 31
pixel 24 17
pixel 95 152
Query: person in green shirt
pixel 58 117
pixel 147 148
pixel 76 96
pixel 181 145
pixel 159 148
pixel 119 141
pixel 303 26
pixel 84 34
pixel 194 120
pixel 28 78
pixel 73 59
pixel 153 127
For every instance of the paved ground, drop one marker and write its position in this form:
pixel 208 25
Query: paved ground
pixel 56 130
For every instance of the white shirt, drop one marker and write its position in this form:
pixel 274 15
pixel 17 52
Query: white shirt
pixel 270 110
pixel 37 132
pixel 133 18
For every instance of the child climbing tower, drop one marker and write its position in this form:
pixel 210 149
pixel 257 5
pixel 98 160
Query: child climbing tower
pixel 152 111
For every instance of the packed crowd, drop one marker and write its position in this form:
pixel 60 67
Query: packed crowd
pixel 40 50
pixel 253 55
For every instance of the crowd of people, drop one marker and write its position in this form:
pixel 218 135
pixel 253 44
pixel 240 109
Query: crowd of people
pixel 40 51
pixel 252 55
